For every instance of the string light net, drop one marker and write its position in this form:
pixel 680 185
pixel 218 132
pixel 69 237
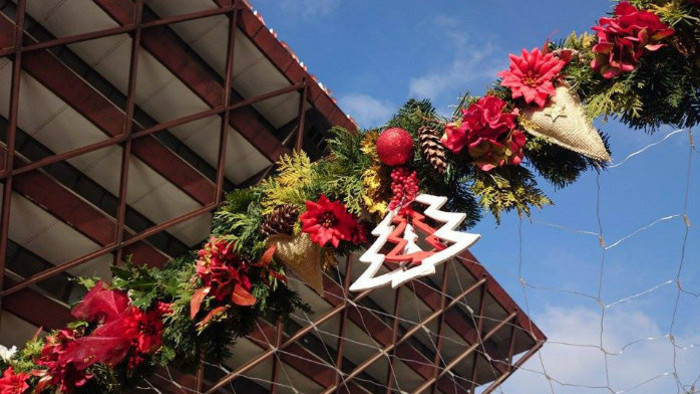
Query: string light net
pixel 610 278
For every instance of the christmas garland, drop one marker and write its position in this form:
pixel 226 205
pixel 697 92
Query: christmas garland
pixel 641 67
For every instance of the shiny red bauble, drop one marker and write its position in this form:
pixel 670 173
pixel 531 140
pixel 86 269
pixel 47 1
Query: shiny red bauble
pixel 395 147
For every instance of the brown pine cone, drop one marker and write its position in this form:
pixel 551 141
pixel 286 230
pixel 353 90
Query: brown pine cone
pixel 432 148
pixel 280 221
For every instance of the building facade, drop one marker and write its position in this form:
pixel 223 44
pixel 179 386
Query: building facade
pixel 124 122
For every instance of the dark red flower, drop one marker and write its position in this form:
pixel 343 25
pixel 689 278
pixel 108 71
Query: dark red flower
pixel 359 234
pixel 488 132
pixel 223 271
pixel 625 37
pixel 13 384
pixel 327 220
pixel 144 331
pixel 530 76
pixel 57 355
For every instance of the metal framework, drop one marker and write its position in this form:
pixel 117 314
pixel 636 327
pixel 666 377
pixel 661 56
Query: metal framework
pixel 28 178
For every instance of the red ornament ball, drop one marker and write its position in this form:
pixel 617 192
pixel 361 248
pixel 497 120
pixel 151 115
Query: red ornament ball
pixel 395 147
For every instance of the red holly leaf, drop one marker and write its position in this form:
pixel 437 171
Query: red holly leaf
pixel 43 384
pixel 196 301
pixel 211 315
pixel 267 257
pixel 278 276
pixel 242 297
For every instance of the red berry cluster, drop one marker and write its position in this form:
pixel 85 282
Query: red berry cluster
pixel 404 186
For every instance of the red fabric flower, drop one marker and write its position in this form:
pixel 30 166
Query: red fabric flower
pixel 134 332
pixel 13 384
pixel 624 38
pixel 222 270
pixel 530 76
pixel 326 221
pixel 123 330
pixel 101 304
pixel 488 132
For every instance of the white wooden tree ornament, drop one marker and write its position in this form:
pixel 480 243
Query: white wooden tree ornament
pixel 458 242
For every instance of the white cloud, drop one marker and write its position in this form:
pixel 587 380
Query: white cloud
pixel 365 109
pixel 642 359
pixel 467 66
pixel 470 63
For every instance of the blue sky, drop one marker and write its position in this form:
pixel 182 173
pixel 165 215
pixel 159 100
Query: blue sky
pixel 375 55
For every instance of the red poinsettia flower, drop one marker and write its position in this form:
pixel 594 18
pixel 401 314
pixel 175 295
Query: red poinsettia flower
pixel 489 133
pixel 12 383
pixel 530 76
pixel 625 37
pixel 327 221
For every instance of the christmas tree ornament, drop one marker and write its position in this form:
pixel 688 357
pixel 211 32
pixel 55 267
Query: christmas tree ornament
pixel 301 255
pixel 395 147
pixel 563 122
pixel 413 262
pixel 280 221
pixel 432 149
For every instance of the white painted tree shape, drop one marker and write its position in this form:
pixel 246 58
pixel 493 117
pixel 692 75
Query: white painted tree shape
pixel 414 262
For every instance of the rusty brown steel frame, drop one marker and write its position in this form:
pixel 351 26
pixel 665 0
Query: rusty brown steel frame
pixel 12 168
pixel 515 320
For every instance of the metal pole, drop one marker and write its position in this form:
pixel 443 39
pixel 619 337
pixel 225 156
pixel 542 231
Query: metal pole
pixel 223 133
pixel 302 115
pixel 128 128
pixel 391 378
pixel 11 139
pixel 441 323
pixel 343 322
